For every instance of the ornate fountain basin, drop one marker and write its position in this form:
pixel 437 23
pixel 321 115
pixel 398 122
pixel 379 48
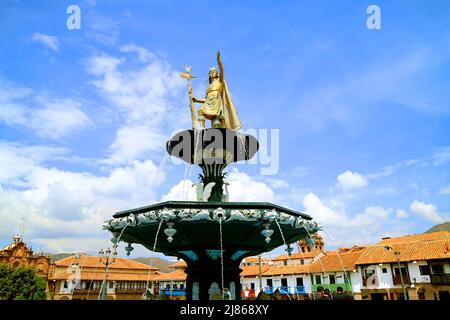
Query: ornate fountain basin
pixel 197 227
pixel 191 230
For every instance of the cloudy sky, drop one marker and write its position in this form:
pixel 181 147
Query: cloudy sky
pixel 363 115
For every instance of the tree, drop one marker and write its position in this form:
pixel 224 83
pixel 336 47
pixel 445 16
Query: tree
pixel 21 283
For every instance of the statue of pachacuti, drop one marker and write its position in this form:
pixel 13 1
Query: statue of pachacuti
pixel 217 105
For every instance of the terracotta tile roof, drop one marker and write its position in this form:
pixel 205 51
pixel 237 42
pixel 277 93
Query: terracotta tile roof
pixel 177 275
pixel 112 276
pixel 297 255
pixel 337 260
pixel 93 262
pixel 252 271
pixel 286 270
pixel 270 270
pixel 441 235
pixel 409 251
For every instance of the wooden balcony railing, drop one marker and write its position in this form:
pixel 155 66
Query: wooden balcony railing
pixel 440 278
pixel 397 280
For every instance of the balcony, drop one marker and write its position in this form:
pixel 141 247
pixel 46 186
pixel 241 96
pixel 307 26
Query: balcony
pixel 332 287
pixel 397 280
pixel 440 278
pixel 173 292
pixel 86 291
pixel 285 290
pixel 129 291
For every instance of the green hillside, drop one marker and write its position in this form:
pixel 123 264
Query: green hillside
pixel 439 227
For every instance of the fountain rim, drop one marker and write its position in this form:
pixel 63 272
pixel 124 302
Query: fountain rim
pixel 211 205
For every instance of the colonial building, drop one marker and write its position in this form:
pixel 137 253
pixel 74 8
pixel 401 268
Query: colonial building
pixel 80 277
pixel 415 265
pixel 335 269
pixel 172 285
pixel 287 274
pixel 18 254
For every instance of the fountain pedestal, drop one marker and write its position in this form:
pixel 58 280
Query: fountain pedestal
pixel 212 236
pixel 204 278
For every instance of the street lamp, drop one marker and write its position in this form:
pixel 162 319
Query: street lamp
pixel 259 273
pixel 106 258
pixel 397 256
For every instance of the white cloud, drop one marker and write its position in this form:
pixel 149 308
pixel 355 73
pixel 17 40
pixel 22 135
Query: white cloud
pixel 144 94
pixel 58 118
pixel 64 204
pixel 47 40
pixel 323 214
pixel 143 54
pixel 244 188
pixel 146 97
pixel 343 229
pixel 18 161
pixel 277 183
pixel 48 116
pixel 134 142
pixel 401 214
pixel 441 156
pixel 351 180
pixel 445 190
pixel 370 216
pixel 101 29
pixel 184 190
pixel 427 211
pixel 300 171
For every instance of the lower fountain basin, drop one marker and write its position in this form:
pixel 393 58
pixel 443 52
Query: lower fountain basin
pixel 212 237
pixel 244 227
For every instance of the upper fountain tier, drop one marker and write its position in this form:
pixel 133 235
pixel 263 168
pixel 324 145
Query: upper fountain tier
pixel 212 146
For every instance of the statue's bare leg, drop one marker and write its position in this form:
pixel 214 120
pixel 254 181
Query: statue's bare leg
pixel 201 120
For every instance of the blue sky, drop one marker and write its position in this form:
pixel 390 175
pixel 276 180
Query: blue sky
pixel 363 115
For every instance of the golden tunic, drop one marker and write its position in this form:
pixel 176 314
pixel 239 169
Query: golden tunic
pixel 213 105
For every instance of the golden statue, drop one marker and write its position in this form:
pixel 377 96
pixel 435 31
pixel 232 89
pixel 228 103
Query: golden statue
pixel 217 105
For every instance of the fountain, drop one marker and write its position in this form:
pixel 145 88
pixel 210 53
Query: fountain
pixel 212 234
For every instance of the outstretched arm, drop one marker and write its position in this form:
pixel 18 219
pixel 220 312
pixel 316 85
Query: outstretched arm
pixel 194 99
pixel 220 66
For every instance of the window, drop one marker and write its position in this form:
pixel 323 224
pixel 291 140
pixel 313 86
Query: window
pixel 252 286
pixel 384 270
pixel 182 286
pixel 299 281
pixel 424 270
pixel 284 282
pixel 302 261
pixel 269 282
pixel 332 279
pixel 285 263
pixel 318 279
pixel 437 268
pixel 111 284
pixel 65 285
pixel 303 249
pixel 403 270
